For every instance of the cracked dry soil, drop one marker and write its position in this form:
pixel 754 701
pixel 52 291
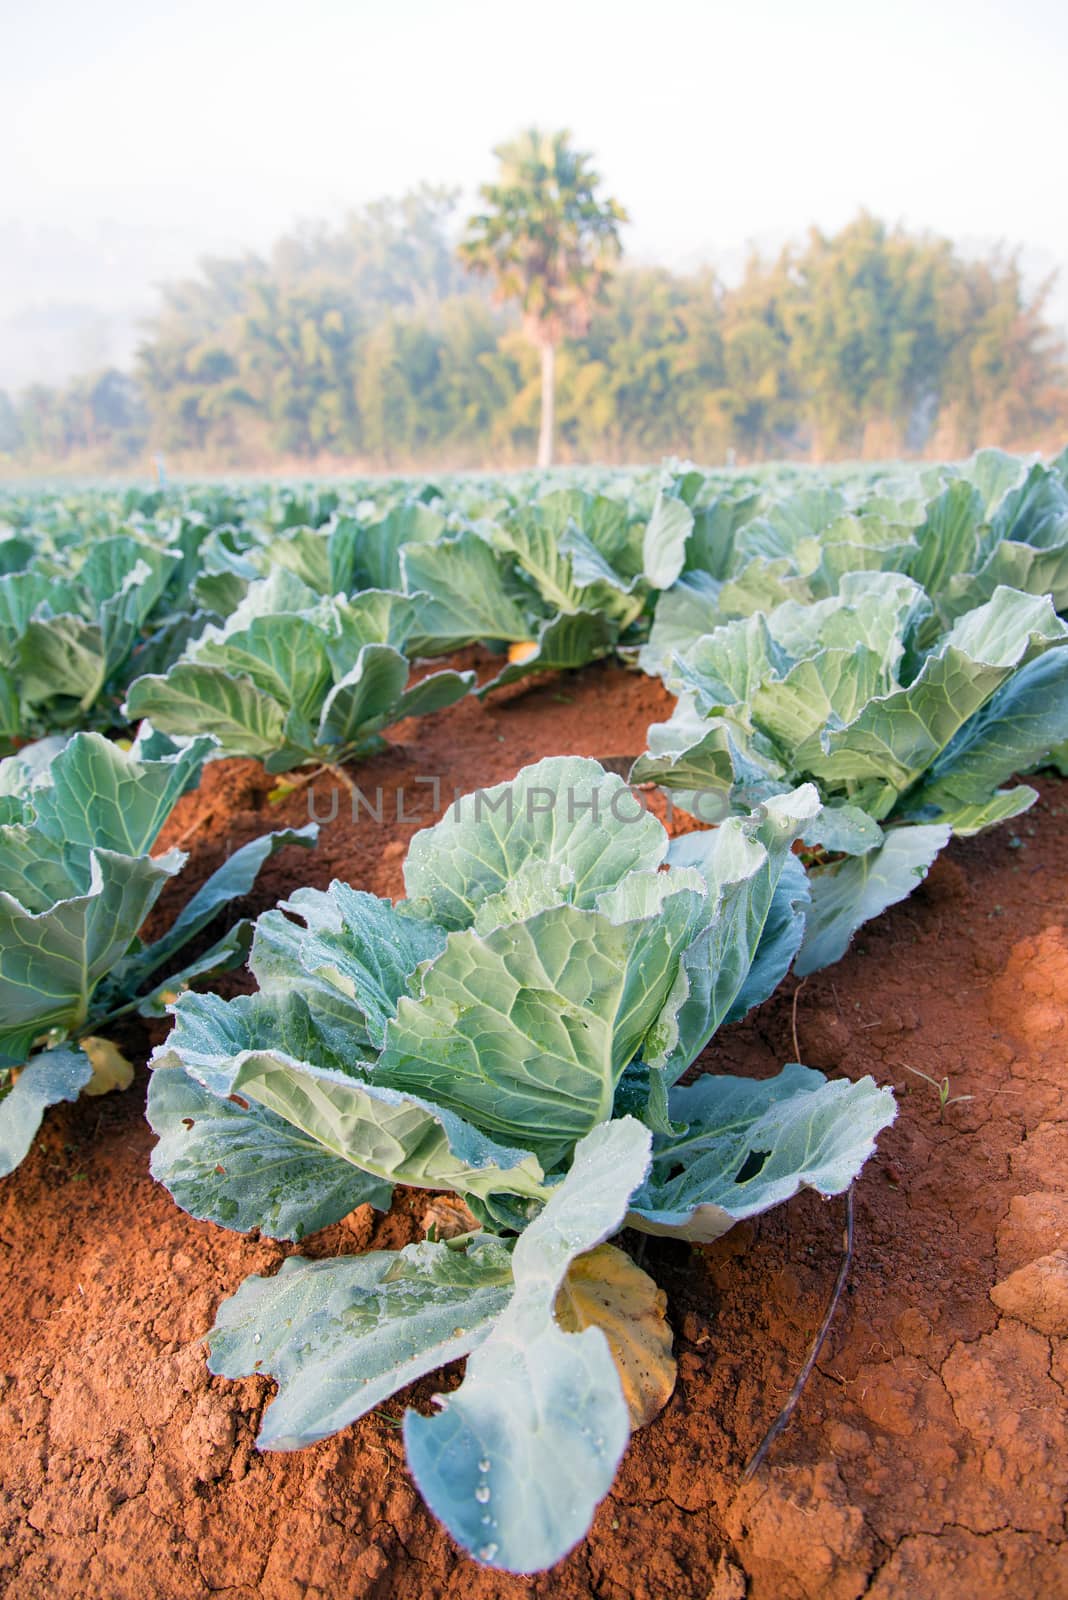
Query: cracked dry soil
pixel 929 1454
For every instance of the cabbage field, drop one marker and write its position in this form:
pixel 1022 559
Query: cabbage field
pixel 504 1077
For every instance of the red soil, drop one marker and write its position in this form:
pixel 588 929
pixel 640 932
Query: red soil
pixel 929 1454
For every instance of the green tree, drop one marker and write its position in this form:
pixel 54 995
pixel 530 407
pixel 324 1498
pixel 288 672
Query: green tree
pixel 657 351
pixel 758 402
pixel 869 331
pixel 897 340
pixel 549 240
pixel 1006 377
pixel 372 340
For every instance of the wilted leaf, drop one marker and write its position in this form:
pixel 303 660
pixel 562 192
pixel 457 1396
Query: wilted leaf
pixel 605 1289
pixel 446 1217
pixel 111 1070
pixel 522 651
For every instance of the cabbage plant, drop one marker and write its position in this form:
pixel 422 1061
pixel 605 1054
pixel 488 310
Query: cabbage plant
pixel 907 744
pixel 77 826
pixel 558 579
pixel 459 588
pixel 997 521
pixel 295 679
pixel 512 1034
pixel 1001 523
pixel 69 640
pixel 583 555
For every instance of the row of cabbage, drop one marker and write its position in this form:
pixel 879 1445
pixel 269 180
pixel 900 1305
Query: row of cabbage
pixel 202 588
pixel 199 586
pixel 907 744
pixel 905 656
pixel 859 675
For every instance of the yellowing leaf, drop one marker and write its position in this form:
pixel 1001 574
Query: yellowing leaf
pixel 604 1289
pixel 447 1217
pixel 111 1070
pixel 522 651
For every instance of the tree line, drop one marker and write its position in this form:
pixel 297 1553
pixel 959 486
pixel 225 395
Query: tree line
pixel 379 343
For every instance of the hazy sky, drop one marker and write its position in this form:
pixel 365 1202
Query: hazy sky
pixel 214 123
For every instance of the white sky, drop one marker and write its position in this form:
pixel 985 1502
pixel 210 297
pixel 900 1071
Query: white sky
pixel 211 124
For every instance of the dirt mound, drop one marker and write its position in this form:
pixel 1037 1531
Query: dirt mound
pixel 929 1455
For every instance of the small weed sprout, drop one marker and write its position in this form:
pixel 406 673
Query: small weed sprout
pixel 941 1088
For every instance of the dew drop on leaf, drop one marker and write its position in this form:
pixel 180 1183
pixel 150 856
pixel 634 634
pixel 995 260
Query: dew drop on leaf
pixel 482 1493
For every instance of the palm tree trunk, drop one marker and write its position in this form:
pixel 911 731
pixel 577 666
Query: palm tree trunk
pixel 548 397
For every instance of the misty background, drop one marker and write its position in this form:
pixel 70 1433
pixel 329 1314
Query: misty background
pixel 135 144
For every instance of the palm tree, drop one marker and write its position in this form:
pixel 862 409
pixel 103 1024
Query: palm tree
pixel 550 242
